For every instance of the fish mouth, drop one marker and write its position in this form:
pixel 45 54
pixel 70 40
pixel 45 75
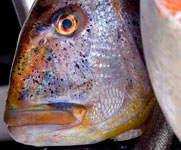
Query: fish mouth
pixel 32 124
pixel 59 114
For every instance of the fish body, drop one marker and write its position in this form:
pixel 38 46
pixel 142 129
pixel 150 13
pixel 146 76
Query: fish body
pixel 77 76
pixel 161 40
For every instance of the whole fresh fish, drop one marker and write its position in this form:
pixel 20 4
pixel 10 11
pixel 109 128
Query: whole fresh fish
pixel 77 76
pixel 161 40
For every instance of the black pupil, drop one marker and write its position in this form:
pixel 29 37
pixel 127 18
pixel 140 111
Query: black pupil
pixel 66 24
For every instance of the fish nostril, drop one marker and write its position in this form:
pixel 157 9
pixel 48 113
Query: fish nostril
pixel 42 41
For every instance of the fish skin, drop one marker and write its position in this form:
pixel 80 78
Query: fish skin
pixel 77 76
pixel 162 49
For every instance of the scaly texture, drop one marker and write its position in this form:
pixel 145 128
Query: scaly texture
pixel 95 76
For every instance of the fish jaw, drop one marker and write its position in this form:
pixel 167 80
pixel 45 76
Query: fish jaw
pixel 161 22
pixel 59 135
pixel 94 81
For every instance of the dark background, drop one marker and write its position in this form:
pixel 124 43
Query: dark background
pixel 10 29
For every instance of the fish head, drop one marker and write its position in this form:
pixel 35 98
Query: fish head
pixel 77 76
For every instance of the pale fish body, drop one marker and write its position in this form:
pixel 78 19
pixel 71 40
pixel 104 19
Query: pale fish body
pixel 161 34
pixel 77 76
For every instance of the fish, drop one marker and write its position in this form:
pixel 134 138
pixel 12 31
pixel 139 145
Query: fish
pixel 78 77
pixel 162 48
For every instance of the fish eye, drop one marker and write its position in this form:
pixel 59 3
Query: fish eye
pixel 67 25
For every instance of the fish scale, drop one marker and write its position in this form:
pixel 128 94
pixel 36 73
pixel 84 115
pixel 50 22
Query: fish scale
pixel 110 102
pixel 80 88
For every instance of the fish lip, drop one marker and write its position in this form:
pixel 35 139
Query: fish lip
pixel 22 127
pixel 51 114
pixel 23 134
pixel 36 129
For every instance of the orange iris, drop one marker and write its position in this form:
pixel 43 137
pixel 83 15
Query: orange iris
pixel 67 25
